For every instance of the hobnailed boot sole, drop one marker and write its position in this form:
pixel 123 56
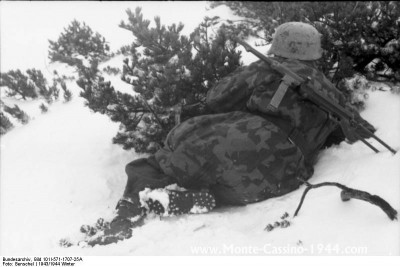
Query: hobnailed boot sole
pixel 183 202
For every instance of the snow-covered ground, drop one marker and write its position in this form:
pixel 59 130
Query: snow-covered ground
pixel 61 171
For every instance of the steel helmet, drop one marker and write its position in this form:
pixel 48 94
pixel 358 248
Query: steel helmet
pixel 296 40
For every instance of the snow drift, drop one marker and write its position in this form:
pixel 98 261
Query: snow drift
pixel 61 171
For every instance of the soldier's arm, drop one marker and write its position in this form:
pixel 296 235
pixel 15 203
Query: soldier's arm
pixel 231 92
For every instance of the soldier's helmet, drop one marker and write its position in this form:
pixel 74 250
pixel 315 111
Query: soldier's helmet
pixel 296 40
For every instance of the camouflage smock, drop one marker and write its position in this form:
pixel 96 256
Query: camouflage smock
pixel 251 88
pixel 244 153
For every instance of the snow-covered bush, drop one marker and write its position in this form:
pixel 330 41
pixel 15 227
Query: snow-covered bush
pixel 78 44
pixel 5 124
pixel 43 108
pixel 18 84
pixel 111 70
pixel 17 113
pixel 55 91
pixel 166 70
pixel 355 88
pixel 36 76
pixel 33 85
pixel 67 93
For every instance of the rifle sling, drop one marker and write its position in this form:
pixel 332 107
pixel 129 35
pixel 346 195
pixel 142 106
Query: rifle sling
pixel 296 137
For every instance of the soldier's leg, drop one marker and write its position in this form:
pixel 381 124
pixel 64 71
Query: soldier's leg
pixel 146 174
pixel 142 173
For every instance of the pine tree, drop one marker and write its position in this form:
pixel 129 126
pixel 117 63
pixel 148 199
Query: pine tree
pixel 5 124
pixel 17 113
pixel 76 43
pixel 18 85
pixel 36 76
pixel 166 70
pixel 120 107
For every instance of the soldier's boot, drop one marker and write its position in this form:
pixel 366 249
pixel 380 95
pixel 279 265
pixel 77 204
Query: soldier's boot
pixel 129 215
pixel 181 202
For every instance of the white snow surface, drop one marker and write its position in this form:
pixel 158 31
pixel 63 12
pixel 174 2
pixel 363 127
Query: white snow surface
pixel 198 209
pixel 61 171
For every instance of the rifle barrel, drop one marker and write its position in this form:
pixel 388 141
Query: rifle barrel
pixel 384 144
pixel 368 144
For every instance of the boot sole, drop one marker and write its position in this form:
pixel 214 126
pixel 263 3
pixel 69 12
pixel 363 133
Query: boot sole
pixel 184 202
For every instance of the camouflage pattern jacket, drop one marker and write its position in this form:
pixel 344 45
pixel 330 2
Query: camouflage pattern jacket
pixel 246 153
pixel 251 89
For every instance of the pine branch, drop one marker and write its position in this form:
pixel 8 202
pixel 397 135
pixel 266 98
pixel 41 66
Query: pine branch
pixel 154 114
pixel 349 193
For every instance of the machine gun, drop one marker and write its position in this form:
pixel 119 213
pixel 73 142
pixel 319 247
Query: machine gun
pixel 349 120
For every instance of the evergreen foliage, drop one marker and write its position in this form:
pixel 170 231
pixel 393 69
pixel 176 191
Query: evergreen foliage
pixel 124 50
pixel 43 108
pixel 67 93
pixel 30 86
pixel 36 76
pixel 78 42
pixel 111 71
pixel 17 113
pixel 55 91
pixel 5 124
pixel 358 37
pixel 168 71
pixel 18 85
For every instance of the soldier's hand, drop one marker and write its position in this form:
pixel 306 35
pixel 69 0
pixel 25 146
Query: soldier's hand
pixel 105 233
